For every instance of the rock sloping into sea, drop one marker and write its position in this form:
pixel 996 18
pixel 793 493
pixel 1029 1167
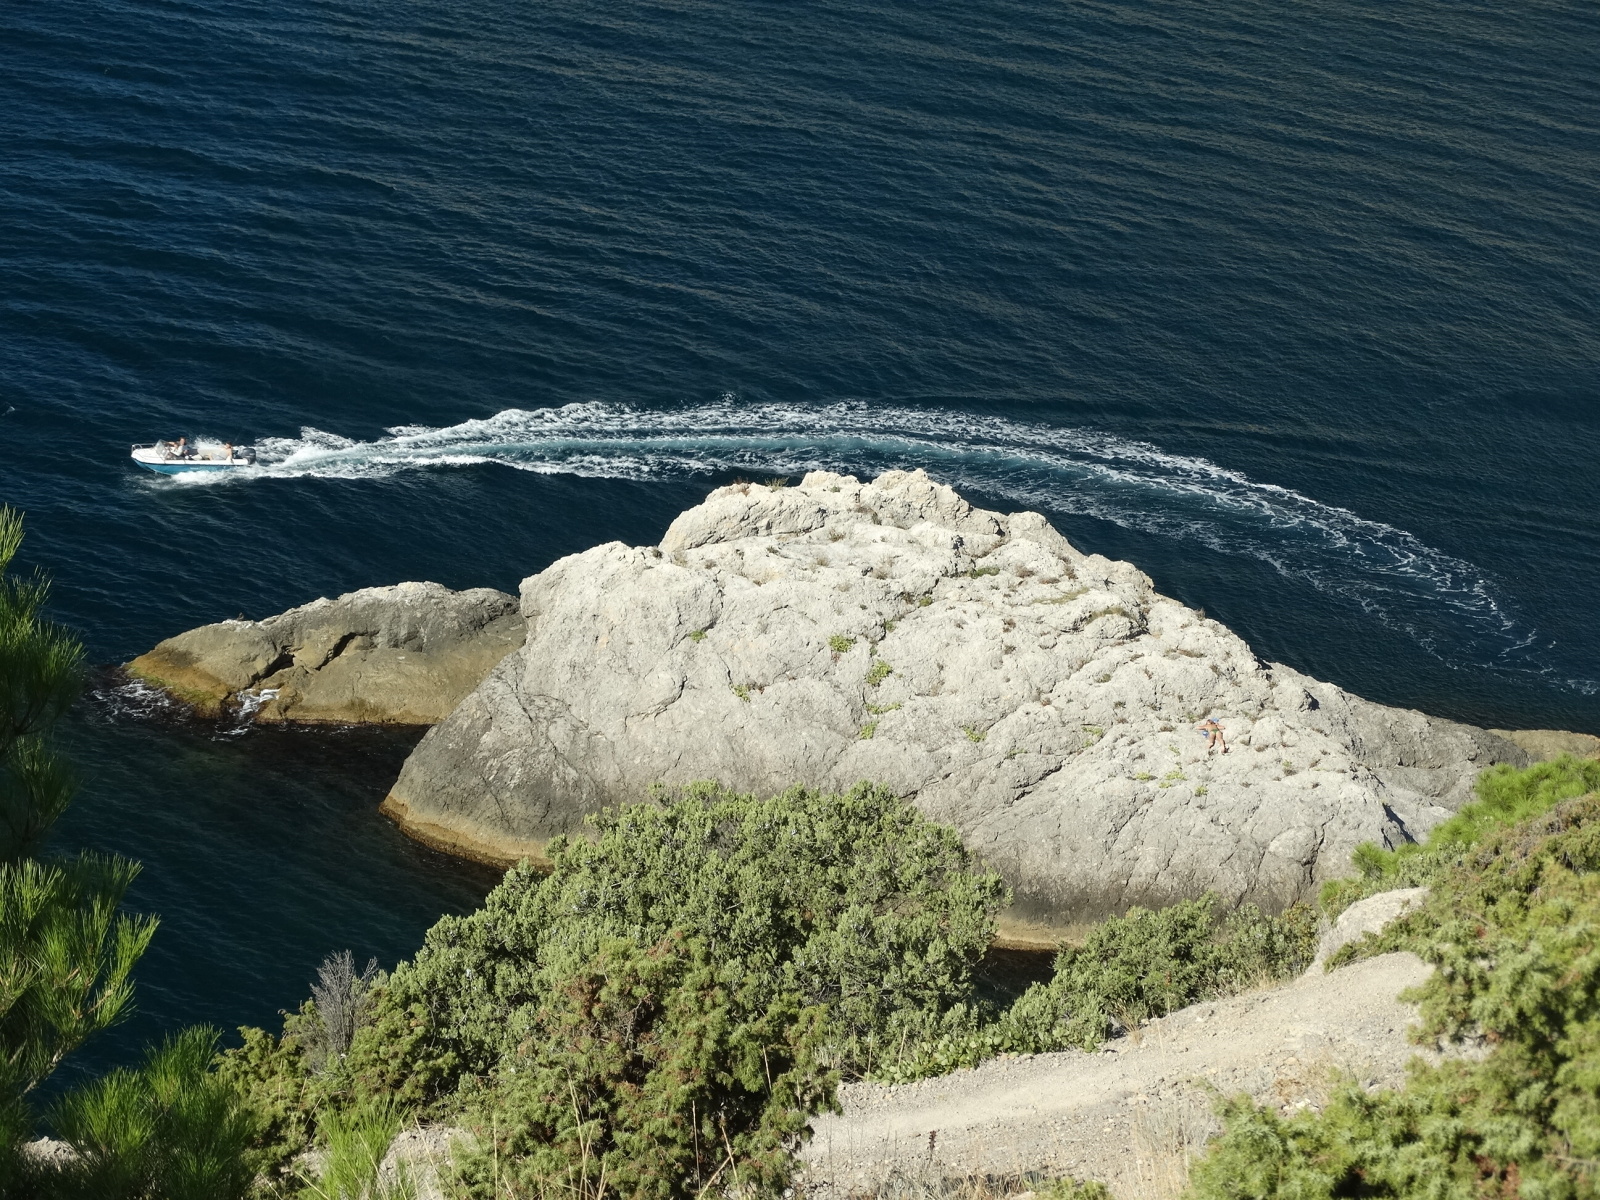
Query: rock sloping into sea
pixel 403 655
pixel 1040 700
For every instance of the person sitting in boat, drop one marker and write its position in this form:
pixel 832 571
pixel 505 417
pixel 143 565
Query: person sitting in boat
pixel 179 448
pixel 227 451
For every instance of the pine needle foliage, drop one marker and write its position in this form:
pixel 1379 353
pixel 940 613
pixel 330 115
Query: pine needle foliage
pixel 67 950
pixel 66 957
pixel 41 673
pixel 170 1130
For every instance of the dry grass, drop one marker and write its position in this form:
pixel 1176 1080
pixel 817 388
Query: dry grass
pixel 1167 1135
pixel 932 1182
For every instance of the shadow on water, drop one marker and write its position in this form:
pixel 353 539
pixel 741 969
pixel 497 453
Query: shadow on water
pixel 263 851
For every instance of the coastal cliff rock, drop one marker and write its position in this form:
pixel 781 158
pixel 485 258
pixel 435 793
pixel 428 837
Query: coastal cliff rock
pixel 403 655
pixel 1040 700
pixel 1542 745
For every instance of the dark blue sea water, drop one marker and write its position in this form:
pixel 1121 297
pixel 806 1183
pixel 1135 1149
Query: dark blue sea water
pixel 1295 305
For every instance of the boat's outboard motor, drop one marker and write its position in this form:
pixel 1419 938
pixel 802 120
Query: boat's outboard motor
pixel 248 453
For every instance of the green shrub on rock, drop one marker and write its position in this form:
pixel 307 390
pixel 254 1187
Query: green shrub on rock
pixel 1506 795
pixel 1514 932
pixel 299 1087
pixel 662 1012
pixel 853 903
pixel 1147 964
pixel 654 1073
pixel 275 1087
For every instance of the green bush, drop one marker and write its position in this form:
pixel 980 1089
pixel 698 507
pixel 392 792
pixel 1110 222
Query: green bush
pixel 673 999
pixel 275 1086
pixel 1506 795
pixel 653 1073
pixel 1069 1188
pixel 298 1087
pixel 854 903
pixel 1513 929
pixel 1130 968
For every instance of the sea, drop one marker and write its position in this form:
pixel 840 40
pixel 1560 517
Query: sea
pixel 1295 305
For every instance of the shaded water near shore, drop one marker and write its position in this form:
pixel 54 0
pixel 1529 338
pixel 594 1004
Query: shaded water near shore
pixel 263 851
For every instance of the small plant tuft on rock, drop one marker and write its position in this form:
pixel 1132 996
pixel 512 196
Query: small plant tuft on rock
pixel 1114 610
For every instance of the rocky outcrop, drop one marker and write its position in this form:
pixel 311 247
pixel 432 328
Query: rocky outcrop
pixel 1039 699
pixel 1542 745
pixel 403 655
pixel 419 1159
pixel 1372 915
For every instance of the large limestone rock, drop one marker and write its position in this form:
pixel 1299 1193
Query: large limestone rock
pixel 1040 700
pixel 403 655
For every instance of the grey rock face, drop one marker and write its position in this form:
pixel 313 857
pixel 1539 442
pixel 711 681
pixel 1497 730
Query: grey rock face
pixel 417 1157
pixel 1040 700
pixel 1372 915
pixel 405 655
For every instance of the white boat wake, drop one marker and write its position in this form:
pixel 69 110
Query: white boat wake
pixel 1446 604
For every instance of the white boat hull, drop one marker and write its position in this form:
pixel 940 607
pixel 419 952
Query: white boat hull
pixel 158 458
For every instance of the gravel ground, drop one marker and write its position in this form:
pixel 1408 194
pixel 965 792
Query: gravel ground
pixel 1129 1114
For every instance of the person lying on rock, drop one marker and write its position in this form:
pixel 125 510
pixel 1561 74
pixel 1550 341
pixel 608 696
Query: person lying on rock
pixel 1212 730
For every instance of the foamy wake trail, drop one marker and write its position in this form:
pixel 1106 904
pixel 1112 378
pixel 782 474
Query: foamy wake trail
pixel 1444 603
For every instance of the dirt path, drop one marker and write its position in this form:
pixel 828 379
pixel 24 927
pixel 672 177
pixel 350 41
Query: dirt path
pixel 1128 1114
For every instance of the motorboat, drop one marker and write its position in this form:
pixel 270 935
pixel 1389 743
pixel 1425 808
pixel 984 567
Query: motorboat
pixel 181 458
